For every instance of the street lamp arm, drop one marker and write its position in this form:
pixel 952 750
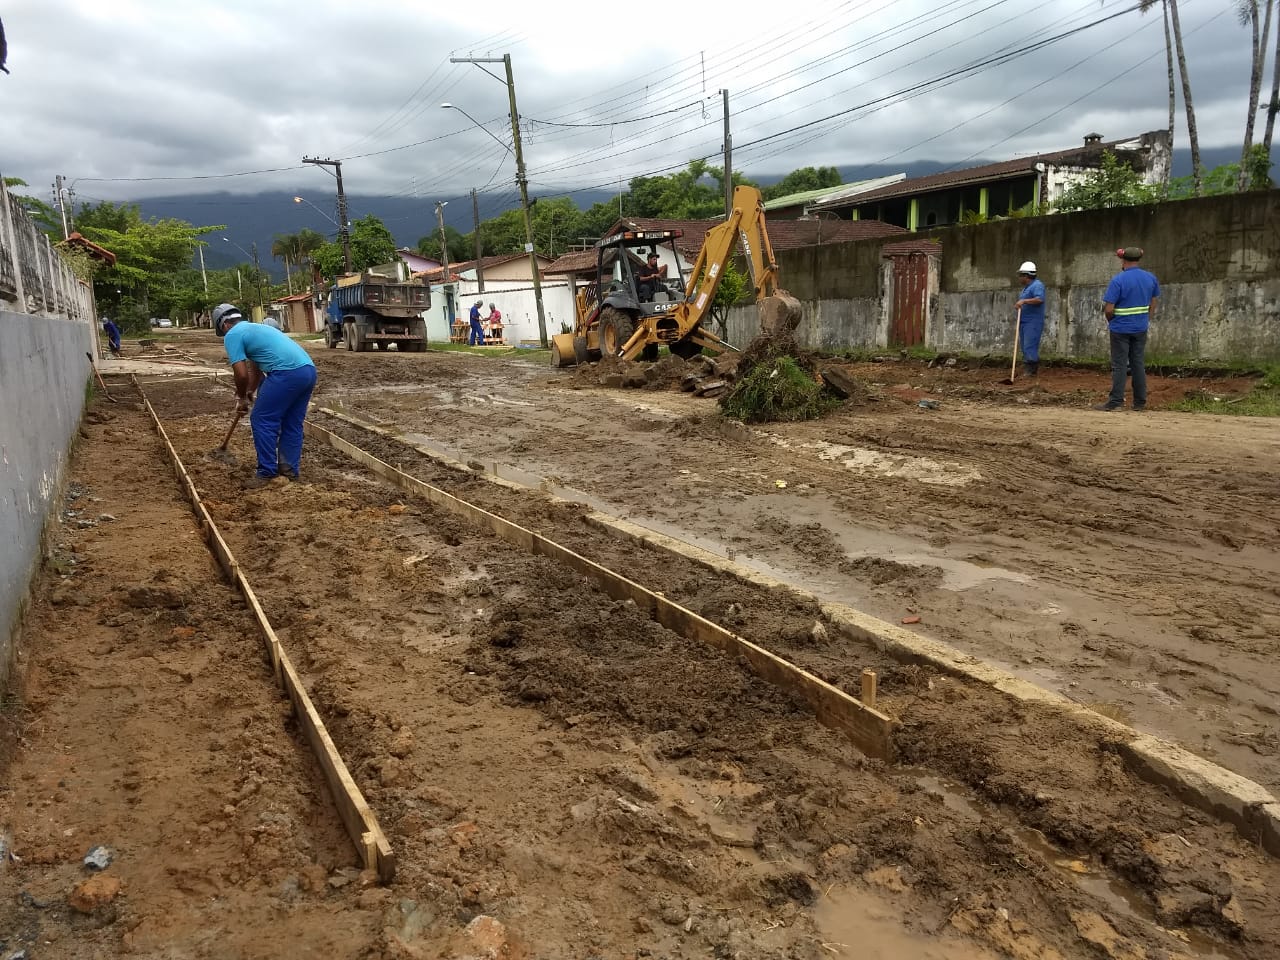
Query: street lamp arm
pixel 316 209
pixel 450 106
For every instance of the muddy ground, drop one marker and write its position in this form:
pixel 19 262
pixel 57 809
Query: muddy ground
pixel 542 755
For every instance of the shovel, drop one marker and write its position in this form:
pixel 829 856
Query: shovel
pixel 1017 324
pixel 102 383
pixel 222 453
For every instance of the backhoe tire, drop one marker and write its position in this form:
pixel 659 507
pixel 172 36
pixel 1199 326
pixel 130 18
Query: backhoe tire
pixel 616 329
pixel 580 349
pixel 686 349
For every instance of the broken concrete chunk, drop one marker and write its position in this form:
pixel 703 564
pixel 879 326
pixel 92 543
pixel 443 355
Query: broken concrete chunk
pixel 99 858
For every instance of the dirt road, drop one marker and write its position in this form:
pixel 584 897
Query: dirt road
pixel 562 777
pixel 1129 561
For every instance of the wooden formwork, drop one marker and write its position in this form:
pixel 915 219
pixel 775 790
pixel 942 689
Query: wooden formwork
pixel 867 728
pixel 370 842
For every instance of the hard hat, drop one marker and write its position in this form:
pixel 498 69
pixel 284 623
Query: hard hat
pixel 492 307
pixel 1027 267
pixel 224 314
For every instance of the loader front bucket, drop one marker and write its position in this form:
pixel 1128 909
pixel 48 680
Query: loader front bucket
pixel 562 350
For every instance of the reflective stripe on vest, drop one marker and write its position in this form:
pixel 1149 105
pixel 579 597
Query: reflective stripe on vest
pixel 1130 311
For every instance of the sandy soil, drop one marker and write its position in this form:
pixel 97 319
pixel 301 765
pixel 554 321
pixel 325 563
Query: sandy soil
pixel 544 756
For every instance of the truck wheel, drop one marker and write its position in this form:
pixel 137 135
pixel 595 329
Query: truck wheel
pixel 358 343
pixel 580 349
pixel 330 338
pixel 346 336
pixel 616 329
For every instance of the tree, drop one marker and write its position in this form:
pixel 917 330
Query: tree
pixel 459 247
pixel 802 180
pixel 150 256
pixel 284 246
pixel 1192 134
pixel 1247 10
pixel 1114 184
pixel 684 195
pixel 733 286
pixel 1273 105
pixel 371 244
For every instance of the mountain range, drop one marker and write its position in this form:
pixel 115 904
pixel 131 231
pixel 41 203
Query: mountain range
pixel 255 218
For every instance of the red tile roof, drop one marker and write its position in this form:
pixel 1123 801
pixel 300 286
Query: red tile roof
pixel 911 246
pixel 1087 155
pixel 578 261
pixel 91 248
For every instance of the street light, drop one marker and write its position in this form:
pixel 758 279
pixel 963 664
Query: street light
pixel 521 180
pixel 317 210
pixel 450 106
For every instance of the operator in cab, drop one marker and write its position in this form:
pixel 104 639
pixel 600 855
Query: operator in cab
pixel 649 277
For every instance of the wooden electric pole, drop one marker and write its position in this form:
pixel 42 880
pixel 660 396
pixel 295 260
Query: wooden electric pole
pixel 523 183
pixel 343 228
pixel 475 219
pixel 728 160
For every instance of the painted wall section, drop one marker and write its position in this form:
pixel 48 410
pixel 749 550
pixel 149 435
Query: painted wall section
pixel 43 372
pixel 1217 259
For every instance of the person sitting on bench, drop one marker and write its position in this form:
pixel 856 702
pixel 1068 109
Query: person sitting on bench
pixel 649 278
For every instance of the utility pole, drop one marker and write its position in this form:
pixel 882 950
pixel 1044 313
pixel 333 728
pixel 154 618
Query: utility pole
pixel 475 219
pixel 728 160
pixel 257 270
pixel 62 209
pixel 343 227
pixel 203 276
pixel 444 241
pixel 523 182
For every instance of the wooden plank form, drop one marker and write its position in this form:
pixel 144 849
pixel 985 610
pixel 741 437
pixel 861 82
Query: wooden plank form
pixel 361 823
pixel 867 728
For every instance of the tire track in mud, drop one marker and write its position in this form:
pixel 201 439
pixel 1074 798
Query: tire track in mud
pixel 538 650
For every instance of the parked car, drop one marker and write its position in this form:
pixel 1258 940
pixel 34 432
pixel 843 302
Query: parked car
pixel 161 322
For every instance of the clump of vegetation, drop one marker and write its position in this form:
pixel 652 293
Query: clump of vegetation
pixel 1262 401
pixel 776 389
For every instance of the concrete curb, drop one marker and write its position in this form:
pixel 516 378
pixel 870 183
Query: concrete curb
pixel 1200 783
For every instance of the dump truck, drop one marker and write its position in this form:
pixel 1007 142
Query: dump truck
pixel 376 308
pixel 617 316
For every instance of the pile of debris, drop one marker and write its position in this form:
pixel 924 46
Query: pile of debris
pixel 702 376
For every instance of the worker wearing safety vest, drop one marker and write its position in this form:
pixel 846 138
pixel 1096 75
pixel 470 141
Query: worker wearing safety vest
pixel 1129 305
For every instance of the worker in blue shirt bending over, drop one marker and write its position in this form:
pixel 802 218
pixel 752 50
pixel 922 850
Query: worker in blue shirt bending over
pixel 1030 307
pixel 1129 306
pixel 263 356
pixel 113 335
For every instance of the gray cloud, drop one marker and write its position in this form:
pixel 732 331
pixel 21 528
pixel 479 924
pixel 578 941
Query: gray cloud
pixel 159 89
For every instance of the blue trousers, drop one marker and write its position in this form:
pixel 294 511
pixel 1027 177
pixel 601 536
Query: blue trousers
pixel 1029 332
pixel 277 419
pixel 1128 359
pixel 477 335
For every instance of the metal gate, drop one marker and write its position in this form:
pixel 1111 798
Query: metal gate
pixel 910 298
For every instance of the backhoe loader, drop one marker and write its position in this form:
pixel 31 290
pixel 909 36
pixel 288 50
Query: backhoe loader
pixel 616 316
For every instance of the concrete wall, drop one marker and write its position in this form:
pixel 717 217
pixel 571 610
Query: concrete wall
pixel 43 374
pixel 1217 258
pixel 47 335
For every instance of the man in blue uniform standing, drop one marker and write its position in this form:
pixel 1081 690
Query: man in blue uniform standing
pixel 1129 305
pixel 476 339
pixel 262 356
pixel 1030 305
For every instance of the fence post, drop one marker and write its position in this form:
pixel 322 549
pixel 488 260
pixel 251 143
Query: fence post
pixel 6 214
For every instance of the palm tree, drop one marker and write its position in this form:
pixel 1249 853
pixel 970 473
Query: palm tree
pixel 1247 10
pixel 308 242
pixel 1273 105
pixel 284 246
pixel 1197 173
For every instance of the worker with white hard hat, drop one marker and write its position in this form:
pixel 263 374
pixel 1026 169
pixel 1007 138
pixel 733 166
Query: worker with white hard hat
pixel 1030 307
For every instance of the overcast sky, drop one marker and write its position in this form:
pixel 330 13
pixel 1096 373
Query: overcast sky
pixel 108 91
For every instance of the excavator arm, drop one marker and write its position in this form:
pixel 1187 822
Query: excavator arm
pixel 745 223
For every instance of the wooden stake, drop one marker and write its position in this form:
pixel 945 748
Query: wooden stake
pixel 869 688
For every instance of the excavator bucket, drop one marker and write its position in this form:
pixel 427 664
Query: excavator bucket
pixel 779 314
pixel 562 350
